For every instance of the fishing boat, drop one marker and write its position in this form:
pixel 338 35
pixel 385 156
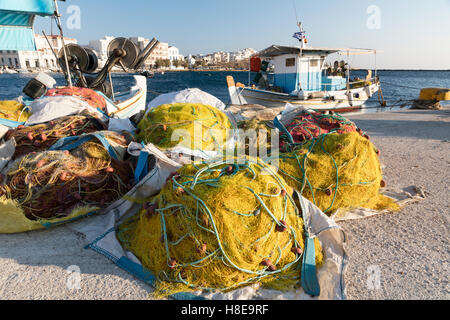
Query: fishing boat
pixel 79 64
pixel 301 78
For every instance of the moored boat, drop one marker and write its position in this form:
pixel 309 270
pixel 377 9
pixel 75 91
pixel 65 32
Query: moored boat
pixel 301 78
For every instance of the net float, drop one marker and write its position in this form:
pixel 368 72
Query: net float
pixel 283 193
pixel 21 126
pixel 74 133
pixel 164 127
pixel 383 184
pixel 179 191
pixel 297 251
pixel 110 170
pixel 30 136
pixel 40 164
pixel 230 169
pixel 329 192
pixel 172 263
pixel 63 176
pixel 266 263
pixel 282 227
pixel 202 249
pixel 272 268
pixel 72 126
pixel 43 137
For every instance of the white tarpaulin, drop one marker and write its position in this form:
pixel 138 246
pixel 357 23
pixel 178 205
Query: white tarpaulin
pixel 51 108
pixel 187 96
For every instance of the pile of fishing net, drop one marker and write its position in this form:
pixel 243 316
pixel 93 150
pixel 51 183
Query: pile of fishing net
pixel 56 186
pixel 220 227
pixel 88 95
pixel 337 171
pixel 14 111
pixel 186 125
pixel 41 137
pixel 306 125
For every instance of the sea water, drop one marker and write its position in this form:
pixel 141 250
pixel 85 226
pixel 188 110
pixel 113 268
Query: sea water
pixel 398 86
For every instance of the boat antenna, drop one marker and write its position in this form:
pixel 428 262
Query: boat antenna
pixel 66 60
pixel 295 10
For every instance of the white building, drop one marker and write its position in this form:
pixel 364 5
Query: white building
pixel 41 59
pixel 174 54
pixel 100 47
pixel 241 55
pixel 161 52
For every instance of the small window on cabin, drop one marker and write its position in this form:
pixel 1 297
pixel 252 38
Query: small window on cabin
pixel 290 62
pixel 314 63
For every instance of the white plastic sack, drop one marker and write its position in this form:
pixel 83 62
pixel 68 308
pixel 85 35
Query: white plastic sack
pixel 120 125
pixel 51 108
pixel 187 96
pixel 3 130
pixel 7 151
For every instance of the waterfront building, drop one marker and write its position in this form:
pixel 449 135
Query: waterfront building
pixel 41 59
pixel 100 47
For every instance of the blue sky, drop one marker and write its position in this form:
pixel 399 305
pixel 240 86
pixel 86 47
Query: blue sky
pixel 412 34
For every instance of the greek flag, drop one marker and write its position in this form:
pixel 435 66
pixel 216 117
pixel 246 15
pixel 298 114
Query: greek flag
pixel 299 35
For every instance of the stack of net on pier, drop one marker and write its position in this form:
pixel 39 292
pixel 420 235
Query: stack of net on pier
pixel 305 126
pixel 333 163
pixel 220 227
pixel 14 111
pixel 90 96
pixel 41 137
pixel 57 185
pixel 191 126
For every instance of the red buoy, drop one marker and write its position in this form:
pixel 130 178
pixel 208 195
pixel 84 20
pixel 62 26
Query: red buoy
pixel 266 263
pixel 272 268
pixel 282 227
pixel 172 263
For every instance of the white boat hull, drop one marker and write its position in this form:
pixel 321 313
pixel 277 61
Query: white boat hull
pixel 332 100
pixel 129 103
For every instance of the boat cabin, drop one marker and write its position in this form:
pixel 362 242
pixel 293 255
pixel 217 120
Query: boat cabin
pixel 302 69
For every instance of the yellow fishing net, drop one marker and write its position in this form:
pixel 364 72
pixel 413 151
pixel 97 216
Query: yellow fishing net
pixel 219 227
pixel 192 126
pixel 337 171
pixel 14 111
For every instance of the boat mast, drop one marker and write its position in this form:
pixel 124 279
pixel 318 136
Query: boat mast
pixel 302 46
pixel 66 60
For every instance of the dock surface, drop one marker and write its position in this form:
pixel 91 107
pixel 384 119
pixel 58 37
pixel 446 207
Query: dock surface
pixel 410 248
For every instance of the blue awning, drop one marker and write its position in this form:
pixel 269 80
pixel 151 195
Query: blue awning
pixel 16 22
